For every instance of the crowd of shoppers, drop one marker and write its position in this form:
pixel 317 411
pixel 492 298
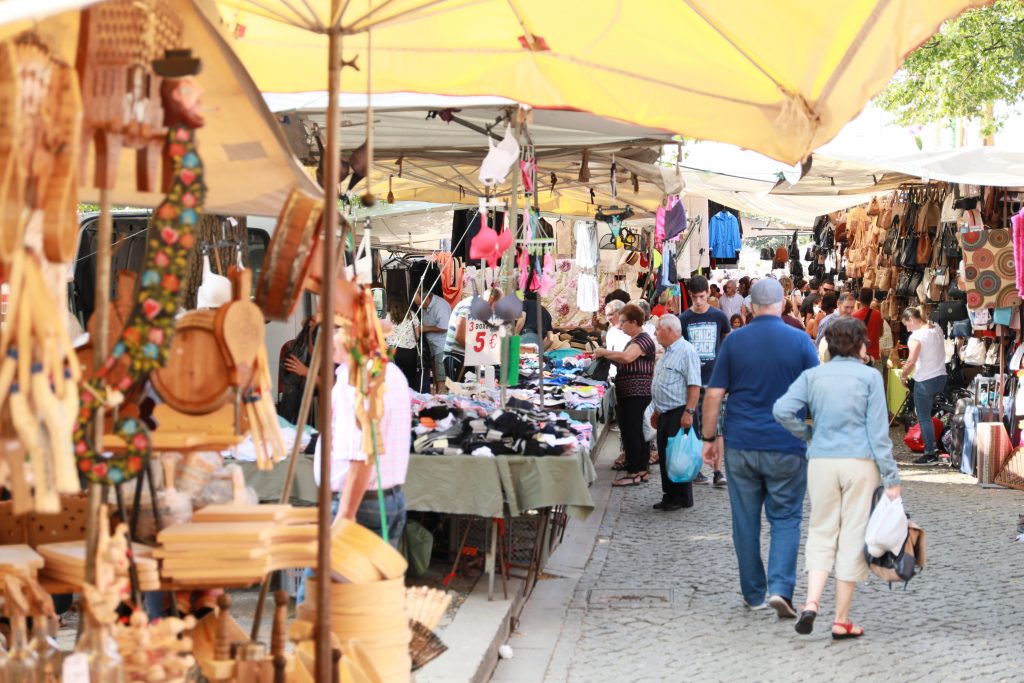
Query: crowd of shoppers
pixel 756 371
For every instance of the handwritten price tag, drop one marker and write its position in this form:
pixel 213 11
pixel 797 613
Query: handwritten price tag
pixel 483 345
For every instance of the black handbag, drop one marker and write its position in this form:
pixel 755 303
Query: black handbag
pixel 906 250
pixel 950 247
pixel 598 370
pixel 809 254
pixel 766 254
pixel 908 283
pixel 891 236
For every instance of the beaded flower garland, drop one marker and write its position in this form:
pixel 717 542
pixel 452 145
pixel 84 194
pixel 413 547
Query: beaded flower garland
pixel 146 338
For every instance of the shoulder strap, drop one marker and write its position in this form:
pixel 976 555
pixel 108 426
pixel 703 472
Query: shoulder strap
pixel 867 317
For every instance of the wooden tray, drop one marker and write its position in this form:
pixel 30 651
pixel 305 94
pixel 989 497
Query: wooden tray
pixel 195 379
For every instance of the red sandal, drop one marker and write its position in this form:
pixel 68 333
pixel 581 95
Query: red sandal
pixel 848 627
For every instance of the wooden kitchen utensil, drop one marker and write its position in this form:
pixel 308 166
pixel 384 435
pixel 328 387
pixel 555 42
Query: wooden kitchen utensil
pixel 240 328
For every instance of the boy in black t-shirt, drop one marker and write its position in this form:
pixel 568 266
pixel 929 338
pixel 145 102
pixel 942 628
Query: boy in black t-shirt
pixel 705 327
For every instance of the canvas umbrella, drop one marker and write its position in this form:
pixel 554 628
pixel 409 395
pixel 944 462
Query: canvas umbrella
pixel 781 78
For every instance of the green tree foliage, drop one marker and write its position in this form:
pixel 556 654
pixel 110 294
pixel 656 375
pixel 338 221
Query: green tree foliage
pixel 974 61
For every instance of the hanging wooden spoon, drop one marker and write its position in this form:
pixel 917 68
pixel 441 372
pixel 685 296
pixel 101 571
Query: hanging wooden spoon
pixel 239 327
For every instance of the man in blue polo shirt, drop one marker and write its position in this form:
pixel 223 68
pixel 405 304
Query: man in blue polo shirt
pixel 766 465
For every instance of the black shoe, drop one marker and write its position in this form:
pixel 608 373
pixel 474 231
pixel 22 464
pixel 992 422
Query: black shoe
pixel 660 505
pixel 719 480
pixel 669 506
pixel 927 459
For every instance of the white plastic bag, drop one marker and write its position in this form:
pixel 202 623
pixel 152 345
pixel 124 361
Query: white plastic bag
pixel 887 527
pixel 650 433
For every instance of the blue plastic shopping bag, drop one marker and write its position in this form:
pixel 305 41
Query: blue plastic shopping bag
pixel 684 456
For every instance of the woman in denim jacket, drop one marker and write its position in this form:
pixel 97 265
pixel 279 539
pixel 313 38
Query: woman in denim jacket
pixel 849 453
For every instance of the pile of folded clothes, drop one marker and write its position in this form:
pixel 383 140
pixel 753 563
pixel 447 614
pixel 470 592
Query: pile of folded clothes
pixel 456 426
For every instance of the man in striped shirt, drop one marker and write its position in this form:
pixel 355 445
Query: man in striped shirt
pixel 675 390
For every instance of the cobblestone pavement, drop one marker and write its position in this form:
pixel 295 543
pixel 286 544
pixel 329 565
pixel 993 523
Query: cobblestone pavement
pixel 659 600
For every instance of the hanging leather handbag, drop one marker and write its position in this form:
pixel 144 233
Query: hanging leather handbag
pixel 884 278
pixel 950 245
pixel 868 278
pixel 906 250
pixel 874 208
pixel 841 235
pixel 926 225
pixel 908 283
pixel 884 218
pixel 892 235
pixel 809 254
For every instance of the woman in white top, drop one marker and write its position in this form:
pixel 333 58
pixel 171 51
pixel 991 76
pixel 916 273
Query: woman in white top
pixel 927 363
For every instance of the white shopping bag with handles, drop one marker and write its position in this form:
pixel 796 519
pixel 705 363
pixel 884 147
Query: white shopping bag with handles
pixel 887 527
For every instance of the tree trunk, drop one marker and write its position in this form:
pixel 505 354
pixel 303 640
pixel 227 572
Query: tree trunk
pixel 211 231
pixel 990 139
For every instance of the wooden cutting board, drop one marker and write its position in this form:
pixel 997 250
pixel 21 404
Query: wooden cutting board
pixel 21 555
pixel 71 554
pixel 195 379
pixel 242 513
pixel 197 552
pixel 216 534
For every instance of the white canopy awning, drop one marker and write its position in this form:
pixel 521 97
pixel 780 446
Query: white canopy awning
pixel 994 166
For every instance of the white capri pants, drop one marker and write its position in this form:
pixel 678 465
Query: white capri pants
pixel 840 490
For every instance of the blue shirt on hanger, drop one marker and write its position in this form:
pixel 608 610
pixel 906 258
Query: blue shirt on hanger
pixel 724 235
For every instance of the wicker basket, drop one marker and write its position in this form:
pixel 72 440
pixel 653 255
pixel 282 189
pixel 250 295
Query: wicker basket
pixel 1012 474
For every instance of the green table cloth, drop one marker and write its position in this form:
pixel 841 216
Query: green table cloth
pixel 472 485
pixel 460 484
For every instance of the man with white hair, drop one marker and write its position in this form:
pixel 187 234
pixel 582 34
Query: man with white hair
pixel 675 390
pixel 615 339
pixel 767 466
pixel 730 302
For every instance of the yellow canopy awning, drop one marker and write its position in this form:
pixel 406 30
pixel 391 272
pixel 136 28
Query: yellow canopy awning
pixel 781 78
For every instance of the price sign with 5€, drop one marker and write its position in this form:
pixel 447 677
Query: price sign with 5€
pixel 483 344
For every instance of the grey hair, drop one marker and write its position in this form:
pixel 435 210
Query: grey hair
pixel 644 306
pixel 613 306
pixel 772 309
pixel 671 323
